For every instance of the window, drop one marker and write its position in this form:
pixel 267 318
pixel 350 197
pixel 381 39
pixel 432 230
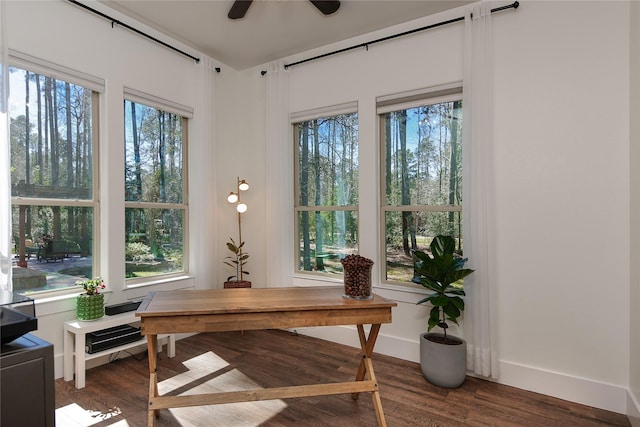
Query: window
pixel 155 190
pixel 421 184
pixel 53 132
pixel 326 187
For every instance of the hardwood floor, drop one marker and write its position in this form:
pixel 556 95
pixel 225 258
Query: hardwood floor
pixel 116 394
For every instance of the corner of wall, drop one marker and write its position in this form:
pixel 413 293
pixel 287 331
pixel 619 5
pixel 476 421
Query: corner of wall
pixel 633 409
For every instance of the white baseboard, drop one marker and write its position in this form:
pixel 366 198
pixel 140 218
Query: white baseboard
pixel 579 390
pixel 574 389
pixel 633 409
pixel 347 335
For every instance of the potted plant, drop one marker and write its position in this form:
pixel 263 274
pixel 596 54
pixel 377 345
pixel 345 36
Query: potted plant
pixel 237 261
pixel 90 304
pixel 443 357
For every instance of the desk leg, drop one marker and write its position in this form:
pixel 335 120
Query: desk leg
pixel 366 367
pixel 366 344
pixel 152 350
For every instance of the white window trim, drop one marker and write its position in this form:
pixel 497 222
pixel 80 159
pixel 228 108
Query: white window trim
pixel 186 113
pixel 316 113
pixel 49 69
pixel 137 96
pixel 402 101
pixel 297 118
pixel 97 85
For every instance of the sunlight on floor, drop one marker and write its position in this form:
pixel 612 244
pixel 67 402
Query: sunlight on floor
pixel 196 381
pixel 207 373
pixel 75 416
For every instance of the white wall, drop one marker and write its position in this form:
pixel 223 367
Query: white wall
pixel 61 33
pixel 562 175
pixel 241 154
pixel 562 136
pixel 633 403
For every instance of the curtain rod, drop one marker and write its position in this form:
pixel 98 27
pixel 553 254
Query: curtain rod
pixel 128 27
pixel 366 45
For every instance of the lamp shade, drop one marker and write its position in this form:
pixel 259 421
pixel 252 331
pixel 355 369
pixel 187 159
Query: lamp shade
pixel 232 198
pixel 243 186
pixel 242 208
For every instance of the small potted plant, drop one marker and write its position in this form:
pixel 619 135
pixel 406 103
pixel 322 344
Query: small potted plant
pixel 443 357
pixel 90 303
pixel 237 262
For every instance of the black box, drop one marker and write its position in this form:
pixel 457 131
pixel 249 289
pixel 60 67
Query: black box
pixel 124 307
pixel 111 337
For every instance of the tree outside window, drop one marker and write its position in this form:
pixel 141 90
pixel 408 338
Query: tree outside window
pixel 52 131
pixel 155 208
pixel 326 192
pixel 422 188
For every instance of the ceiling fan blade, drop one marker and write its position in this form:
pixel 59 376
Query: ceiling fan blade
pixel 327 7
pixel 239 9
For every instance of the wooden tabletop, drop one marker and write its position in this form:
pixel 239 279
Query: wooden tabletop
pixel 217 310
pixel 252 300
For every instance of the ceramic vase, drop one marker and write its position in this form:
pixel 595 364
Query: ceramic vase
pixel 443 365
pixel 90 307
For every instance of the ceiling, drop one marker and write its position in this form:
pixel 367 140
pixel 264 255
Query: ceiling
pixel 271 29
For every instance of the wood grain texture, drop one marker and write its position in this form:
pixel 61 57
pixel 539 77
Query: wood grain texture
pixel 252 300
pixel 216 310
pixel 219 361
pixel 258 309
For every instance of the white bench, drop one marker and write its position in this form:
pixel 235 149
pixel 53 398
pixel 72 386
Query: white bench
pixel 75 343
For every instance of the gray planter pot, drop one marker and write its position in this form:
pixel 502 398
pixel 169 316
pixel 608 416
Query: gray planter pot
pixel 442 364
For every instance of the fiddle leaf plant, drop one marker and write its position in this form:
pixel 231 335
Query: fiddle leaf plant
pixel 237 260
pixel 441 273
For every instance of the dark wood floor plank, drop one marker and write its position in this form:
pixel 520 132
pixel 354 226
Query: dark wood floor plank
pixel 280 358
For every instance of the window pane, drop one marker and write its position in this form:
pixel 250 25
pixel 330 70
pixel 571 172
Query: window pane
pixel 423 154
pixel 154 241
pixel 153 150
pixel 421 228
pixel 57 247
pixel 325 237
pixel 328 161
pixel 51 137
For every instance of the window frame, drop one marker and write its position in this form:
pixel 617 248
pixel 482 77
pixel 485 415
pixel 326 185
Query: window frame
pixel 404 101
pixel 185 113
pixel 97 86
pixel 295 120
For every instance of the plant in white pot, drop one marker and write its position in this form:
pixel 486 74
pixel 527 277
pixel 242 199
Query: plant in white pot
pixel 443 357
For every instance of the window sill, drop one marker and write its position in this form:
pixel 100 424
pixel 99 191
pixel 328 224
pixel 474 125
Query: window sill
pixel 140 289
pixel 408 293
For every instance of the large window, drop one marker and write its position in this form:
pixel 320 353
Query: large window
pixel 155 191
pixel 421 180
pixel 326 191
pixel 53 131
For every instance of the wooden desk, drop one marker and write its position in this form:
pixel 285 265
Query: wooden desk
pixel 217 310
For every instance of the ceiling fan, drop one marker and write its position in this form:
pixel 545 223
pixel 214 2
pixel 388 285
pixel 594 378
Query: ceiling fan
pixel 240 7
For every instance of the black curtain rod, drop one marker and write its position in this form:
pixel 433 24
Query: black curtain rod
pixel 366 45
pixel 128 27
